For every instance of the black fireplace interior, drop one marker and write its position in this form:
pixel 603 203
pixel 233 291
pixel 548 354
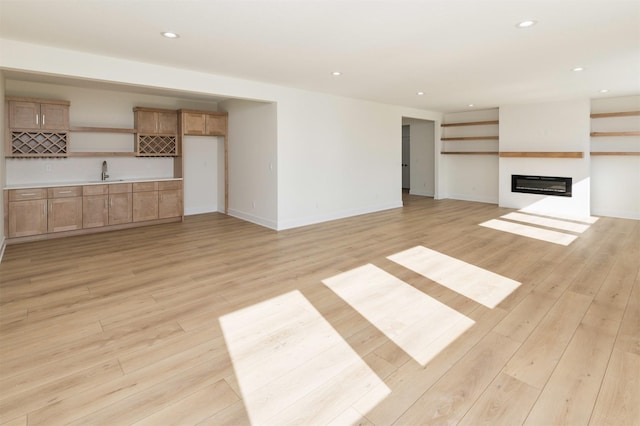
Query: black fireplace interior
pixel 544 185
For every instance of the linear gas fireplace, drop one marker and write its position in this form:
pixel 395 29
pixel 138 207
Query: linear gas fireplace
pixel 544 185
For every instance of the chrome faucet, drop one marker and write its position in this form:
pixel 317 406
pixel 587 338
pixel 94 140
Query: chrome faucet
pixel 104 170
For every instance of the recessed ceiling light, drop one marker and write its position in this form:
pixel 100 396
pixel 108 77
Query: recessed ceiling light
pixel 420 93
pixel 169 34
pixel 336 73
pixel 577 69
pixel 526 24
pixel 604 90
pixel 471 105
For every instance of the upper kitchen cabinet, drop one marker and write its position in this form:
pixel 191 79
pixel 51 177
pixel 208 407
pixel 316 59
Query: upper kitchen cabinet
pixel 201 123
pixel 153 121
pixel 38 114
pixel 156 132
pixel 37 127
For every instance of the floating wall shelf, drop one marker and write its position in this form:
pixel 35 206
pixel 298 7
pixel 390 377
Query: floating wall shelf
pixel 470 123
pixel 469 152
pixel 600 134
pixel 542 154
pixel 616 153
pixel 615 114
pixel 472 138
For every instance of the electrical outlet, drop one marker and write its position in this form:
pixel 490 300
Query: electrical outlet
pixel 47 167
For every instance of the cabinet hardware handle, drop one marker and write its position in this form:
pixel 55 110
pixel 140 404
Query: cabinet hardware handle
pixel 30 194
pixel 37 119
pixel 64 192
pixel 110 201
pixel 43 119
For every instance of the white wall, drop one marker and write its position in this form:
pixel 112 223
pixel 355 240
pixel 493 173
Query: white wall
pixel 615 180
pixel 558 126
pixel 470 177
pixel 253 166
pixel 422 162
pixel 335 156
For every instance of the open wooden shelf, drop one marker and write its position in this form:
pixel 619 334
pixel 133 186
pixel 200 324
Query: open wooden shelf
pixel 101 154
pixel 469 152
pixel 100 129
pixel 472 138
pixel 600 134
pixel 511 154
pixel 615 114
pixel 616 153
pixel 470 123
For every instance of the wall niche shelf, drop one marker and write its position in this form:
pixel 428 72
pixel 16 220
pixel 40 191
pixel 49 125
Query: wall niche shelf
pixel 615 114
pixel 601 134
pixel 510 154
pixel 469 152
pixel 616 153
pixel 470 123
pixel 470 138
pixel 627 133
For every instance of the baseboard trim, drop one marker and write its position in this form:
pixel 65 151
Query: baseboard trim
pixel 616 214
pixel 474 198
pixel 296 223
pixel 253 219
pixel 3 245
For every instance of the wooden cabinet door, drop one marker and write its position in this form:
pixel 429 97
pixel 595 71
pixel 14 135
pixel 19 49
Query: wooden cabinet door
pixel 193 124
pixel 145 206
pixel 169 203
pixel 65 214
pixel 147 122
pixel 24 115
pixel 168 123
pixel 54 117
pixel 27 218
pixel 216 125
pixel 120 209
pixel 95 211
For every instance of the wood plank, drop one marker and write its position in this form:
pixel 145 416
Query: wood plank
pixel 602 134
pixel 619 399
pixel 452 396
pixel 506 401
pixel 195 408
pixel 88 129
pixel 615 114
pixel 615 153
pixel 537 357
pixel 472 138
pixel 469 152
pixel 470 123
pixel 530 154
pixel 570 394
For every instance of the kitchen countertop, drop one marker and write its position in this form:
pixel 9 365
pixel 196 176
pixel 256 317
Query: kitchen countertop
pixel 83 183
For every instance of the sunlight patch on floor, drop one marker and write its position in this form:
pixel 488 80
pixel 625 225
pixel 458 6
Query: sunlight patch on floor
pixel 485 287
pixel 292 366
pixel 564 225
pixel 530 231
pixel 419 324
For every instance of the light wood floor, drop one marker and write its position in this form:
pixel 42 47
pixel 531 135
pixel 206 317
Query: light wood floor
pixel 219 321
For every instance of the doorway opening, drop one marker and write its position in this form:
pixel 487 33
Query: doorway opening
pixel 418 157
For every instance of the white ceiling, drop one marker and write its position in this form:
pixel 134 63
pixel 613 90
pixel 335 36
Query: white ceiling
pixel 456 51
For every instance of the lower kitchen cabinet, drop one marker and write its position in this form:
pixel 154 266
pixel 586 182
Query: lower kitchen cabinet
pixel 95 206
pixel 36 212
pixel 27 218
pixel 64 209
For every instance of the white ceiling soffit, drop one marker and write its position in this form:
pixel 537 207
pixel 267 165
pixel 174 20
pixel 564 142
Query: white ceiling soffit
pixel 457 52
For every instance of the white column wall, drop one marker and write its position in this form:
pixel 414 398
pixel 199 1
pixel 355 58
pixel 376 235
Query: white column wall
pixel 547 127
